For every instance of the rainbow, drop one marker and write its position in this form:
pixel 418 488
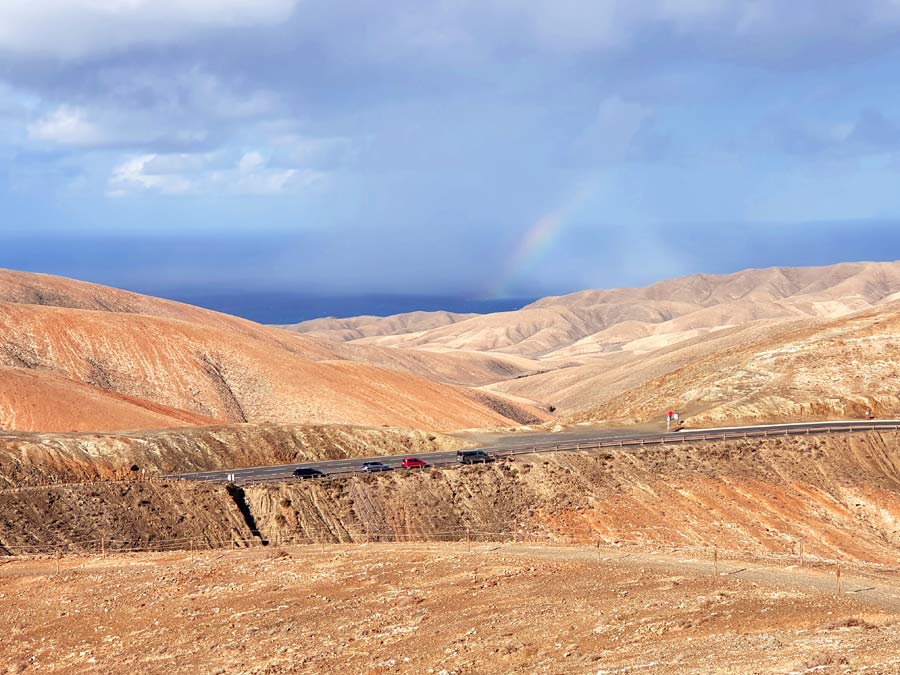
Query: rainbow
pixel 537 241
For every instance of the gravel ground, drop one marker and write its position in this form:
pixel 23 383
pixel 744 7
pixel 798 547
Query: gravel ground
pixel 438 609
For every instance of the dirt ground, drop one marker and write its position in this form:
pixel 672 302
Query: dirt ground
pixel 441 609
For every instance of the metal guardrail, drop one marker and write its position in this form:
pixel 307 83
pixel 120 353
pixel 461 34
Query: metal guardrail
pixel 681 437
pixel 676 438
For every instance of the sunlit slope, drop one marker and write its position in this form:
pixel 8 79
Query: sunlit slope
pixel 198 366
pixel 822 369
pixel 596 322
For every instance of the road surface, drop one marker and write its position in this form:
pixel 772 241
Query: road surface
pixel 519 444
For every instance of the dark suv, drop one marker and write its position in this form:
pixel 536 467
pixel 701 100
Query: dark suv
pixel 305 472
pixel 473 457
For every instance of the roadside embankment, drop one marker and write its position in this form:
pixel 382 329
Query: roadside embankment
pixel 837 497
pixel 119 516
pixel 840 495
pixel 37 459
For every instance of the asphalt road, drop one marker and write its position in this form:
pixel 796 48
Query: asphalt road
pixel 518 444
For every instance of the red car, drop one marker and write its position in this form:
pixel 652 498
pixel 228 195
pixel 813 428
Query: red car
pixel 413 463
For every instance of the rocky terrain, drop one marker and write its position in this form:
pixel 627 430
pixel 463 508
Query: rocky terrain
pixel 833 369
pixel 759 345
pixel 716 557
pixel 439 609
pixel 838 495
pixel 637 320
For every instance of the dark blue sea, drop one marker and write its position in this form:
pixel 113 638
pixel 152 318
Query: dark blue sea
pixel 286 308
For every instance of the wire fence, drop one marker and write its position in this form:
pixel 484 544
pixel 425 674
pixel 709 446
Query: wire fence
pixel 790 551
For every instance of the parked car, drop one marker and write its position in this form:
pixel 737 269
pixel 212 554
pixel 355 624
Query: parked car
pixel 473 457
pixel 413 463
pixel 305 472
pixel 372 467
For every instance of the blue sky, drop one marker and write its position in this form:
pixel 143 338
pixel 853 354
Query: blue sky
pixel 490 148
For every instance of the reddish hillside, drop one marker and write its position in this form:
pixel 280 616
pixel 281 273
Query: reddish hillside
pixel 40 401
pixel 201 364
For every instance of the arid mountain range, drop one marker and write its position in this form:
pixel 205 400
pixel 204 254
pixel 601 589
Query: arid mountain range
pixel 780 343
pixel 721 347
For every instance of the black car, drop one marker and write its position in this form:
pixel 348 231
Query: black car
pixel 372 467
pixel 305 472
pixel 473 457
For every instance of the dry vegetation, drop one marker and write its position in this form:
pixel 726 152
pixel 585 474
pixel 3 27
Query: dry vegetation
pixel 624 579
pixel 437 609
pixel 36 459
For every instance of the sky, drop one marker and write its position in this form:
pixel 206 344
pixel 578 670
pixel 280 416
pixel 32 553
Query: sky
pixel 489 149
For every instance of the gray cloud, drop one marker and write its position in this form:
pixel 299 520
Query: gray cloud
pixel 870 132
pixel 78 29
pixel 392 140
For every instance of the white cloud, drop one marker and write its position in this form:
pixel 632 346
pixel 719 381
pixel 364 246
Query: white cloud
pixel 251 162
pixel 255 176
pixel 78 127
pixel 67 126
pixel 177 174
pixel 78 28
pixel 144 174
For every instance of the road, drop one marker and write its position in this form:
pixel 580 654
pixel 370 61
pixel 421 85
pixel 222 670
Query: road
pixel 520 444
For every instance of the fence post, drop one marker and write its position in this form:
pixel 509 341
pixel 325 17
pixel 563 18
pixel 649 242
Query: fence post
pixel 57 560
pixel 837 576
pixel 801 551
pixel 192 550
pixel 716 558
pixel 102 547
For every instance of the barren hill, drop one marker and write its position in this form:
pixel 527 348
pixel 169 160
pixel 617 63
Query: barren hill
pixel 39 400
pixel 599 321
pixel 358 327
pixel 188 366
pixel 585 350
pixel 816 369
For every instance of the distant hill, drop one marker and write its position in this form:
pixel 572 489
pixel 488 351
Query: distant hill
pixel 593 346
pixel 78 356
pixel 778 343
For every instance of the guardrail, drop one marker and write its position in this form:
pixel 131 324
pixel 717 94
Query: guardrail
pixel 674 438
pixel 681 437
